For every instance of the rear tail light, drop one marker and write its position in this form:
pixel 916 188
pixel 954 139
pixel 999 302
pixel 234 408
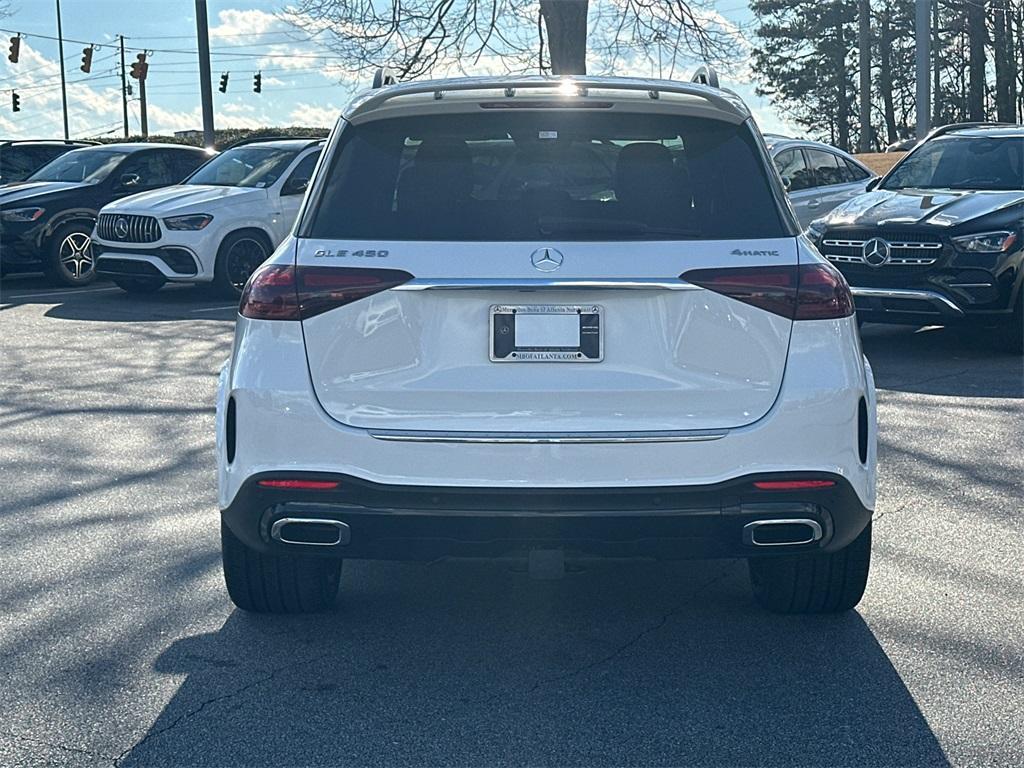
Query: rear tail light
pixel 300 485
pixel 804 292
pixel 286 292
pixel 793 485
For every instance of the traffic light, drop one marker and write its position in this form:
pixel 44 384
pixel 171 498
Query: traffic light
pixel 140 67
pixel 15 102
pixel 257 82
pixel 223 82
pixel 86 59
pixel 15 49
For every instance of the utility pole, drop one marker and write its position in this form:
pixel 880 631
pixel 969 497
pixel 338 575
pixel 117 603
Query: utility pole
pixel 63 83
pixel 142 108
pixel 205 86
pixel 922 34
pixel 124 89
pixel 864 41
pixel 936 86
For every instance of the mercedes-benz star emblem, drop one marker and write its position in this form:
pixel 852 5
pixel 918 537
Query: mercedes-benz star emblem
pixel 121 228
pixel 546 259
pixel 876 252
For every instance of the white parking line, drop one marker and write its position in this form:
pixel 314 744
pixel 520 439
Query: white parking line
pixel 66 292
pixel 215 309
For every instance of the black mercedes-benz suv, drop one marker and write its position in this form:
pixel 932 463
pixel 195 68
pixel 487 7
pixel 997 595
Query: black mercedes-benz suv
pixel 47 220
pixel 939 239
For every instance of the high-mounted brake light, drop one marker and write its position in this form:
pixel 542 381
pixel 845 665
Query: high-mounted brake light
pixel 286 292
pixel 792 485
pixel 806 292
pixel 300 485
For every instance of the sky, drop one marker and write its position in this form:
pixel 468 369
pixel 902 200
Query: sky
pixel 304 84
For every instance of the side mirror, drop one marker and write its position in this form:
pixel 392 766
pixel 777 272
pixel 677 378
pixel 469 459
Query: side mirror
pixel 295 186
pixel 129 180
pixel 872 184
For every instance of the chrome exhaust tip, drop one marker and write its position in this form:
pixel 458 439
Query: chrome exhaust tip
pixel 781 533
pixel 311 532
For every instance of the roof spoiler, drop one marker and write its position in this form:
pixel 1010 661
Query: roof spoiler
pixel 706 75
pixel 382 77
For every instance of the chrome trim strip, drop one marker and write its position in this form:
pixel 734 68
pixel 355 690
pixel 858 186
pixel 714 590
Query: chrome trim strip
pixel 899 293
pixel 543 438
pixel 751 528
pixel 342 529
pixel 544 283
pixel 892 244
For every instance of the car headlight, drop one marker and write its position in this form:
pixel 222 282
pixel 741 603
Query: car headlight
pixel 986 242
pixel 815 230
pixel 191 222
pixel 21 214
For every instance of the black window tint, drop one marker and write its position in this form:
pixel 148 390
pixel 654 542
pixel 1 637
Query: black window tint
pixel 186 162
pixel 825 166
pixel 304 169
pixel 963 162
pixel 154 169
pixel 854 172
pixel 793 170
pixel 18 163
pixel 538 175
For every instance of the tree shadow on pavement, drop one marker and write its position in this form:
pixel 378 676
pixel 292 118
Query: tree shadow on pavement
pixel 942 361
pixel 472 663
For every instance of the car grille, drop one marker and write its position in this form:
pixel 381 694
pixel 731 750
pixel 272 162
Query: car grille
pixel 126 228
pixel 905 248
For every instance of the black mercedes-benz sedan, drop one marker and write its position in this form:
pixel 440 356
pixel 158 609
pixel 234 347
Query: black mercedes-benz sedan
pixel 940 238
pixel 47 220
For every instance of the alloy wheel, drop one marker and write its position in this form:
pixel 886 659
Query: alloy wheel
pixel 245 256
pixel 76 255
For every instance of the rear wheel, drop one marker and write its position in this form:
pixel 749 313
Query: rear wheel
pixel 69 255
pixel 139 284
pixel 239 256
pixel 265 583
pixel 818 583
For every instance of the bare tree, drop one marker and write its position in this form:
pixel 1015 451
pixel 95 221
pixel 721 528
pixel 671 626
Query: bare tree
pixel 418 37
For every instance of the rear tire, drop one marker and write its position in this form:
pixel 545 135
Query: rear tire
pixel 239 255
pixel 265 583
pixel 139 284
pixel 818 583
pixel 69 258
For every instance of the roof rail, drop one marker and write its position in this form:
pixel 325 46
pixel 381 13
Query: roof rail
pixel 581 86
pixel 706 75
pixel 944 129
pixel 259 139
pixel 383 76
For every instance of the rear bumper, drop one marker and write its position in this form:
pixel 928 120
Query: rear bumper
pixel 421 523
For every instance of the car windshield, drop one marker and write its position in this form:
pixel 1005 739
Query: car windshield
pixel 89 166
pixel 532 175
pixel 245 167
pixel 963 162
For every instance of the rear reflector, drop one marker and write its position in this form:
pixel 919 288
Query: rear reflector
pixel 805 292
pixel 792 485
pixel 301 485
pixel 286 292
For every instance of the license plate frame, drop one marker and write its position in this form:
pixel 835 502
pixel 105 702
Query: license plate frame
pixel 503 349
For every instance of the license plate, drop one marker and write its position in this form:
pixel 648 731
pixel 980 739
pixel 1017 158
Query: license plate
pixel 546 333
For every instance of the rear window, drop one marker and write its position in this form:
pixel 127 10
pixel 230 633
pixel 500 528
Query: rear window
pixel 536 175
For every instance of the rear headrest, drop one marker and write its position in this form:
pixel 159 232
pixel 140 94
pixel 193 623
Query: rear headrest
pixel 645 171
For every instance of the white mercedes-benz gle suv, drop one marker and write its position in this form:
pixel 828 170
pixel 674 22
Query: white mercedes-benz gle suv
pixel 522 314
pixel 216 227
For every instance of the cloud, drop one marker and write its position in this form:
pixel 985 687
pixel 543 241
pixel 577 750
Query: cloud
pixel 315 115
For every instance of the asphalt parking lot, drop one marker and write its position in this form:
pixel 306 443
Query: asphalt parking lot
pixel 118 645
